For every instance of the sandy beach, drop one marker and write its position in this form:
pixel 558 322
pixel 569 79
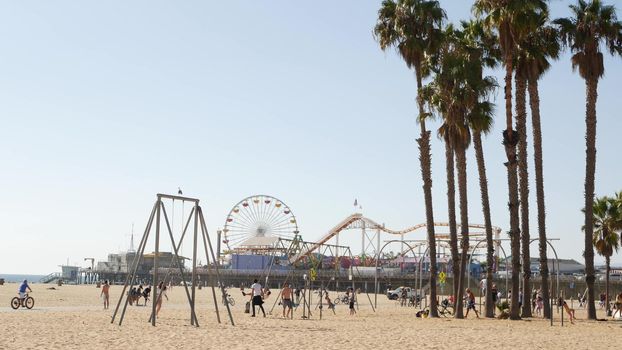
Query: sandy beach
pixel 71 317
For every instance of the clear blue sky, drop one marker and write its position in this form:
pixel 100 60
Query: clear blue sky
pixel 104 104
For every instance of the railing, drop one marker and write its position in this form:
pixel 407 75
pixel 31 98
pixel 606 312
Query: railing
pixel 49 278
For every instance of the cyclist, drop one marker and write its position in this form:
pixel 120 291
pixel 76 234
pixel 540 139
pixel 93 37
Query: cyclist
pixel 22 290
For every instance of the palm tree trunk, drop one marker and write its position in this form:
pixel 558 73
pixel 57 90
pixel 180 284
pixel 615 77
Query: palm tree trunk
pixel 464 227
pixel 608 264
pixel 451 209
pixel 483 187
pixel 521 128
pixel 426 173
pixel 534 101
pixel 510 140
pixel 590 169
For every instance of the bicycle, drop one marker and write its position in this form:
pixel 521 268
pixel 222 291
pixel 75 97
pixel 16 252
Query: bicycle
pixel 342 298
pixel 228 299
pixel 445 308
pixel 27 302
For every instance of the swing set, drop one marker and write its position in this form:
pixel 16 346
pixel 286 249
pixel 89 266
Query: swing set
pixel 195 217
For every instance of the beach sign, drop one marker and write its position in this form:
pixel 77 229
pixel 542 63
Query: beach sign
pixel 442 277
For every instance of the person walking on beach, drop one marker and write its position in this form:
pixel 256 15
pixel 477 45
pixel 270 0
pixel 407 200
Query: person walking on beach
pixel 105 294
pixel 257 297
pixel 286 300
pixel 470 298
pixel 160 292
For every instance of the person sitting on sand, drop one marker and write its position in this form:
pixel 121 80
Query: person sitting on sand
pixel 470 299
pixel 286 300
pixel 105 294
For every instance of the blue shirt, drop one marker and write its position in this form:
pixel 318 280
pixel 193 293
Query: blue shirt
pixel 23 287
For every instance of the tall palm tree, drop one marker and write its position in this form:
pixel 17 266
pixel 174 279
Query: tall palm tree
pixel 432 64
pixel 413 27
pixel 523 177
pixel 528 59
pixel 607 218
pixel 484 47
pixel 451 213
pixel 455 94
pixel 593 26
pixel 533 61
pixel 512 20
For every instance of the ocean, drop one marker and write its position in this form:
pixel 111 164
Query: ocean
pixel 19 278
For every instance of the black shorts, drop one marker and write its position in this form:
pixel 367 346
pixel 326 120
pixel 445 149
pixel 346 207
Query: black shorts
pixel 257 300
pixel 351 305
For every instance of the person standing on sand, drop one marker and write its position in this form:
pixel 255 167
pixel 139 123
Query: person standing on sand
pixel 160 292
pixel 286 300
pixel 618 306
pixel 331 305
pixel 105 294
pixel 257 297
pixel 352 301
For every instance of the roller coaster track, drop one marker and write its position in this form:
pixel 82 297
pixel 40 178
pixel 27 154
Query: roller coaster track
pixel 358 221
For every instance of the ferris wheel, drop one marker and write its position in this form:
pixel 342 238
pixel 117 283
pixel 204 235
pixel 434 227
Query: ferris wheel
pixel 259 220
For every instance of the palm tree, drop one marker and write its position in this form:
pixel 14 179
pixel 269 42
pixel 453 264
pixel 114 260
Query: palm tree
pixel 455 94
pixel 413 28
pixel 607 218
pixel 592 27
pixel 512 20
pixel 529 61
pixel 451 213
pixel 484 46
pixel 533 61
pixel 523 178
pixel 451 188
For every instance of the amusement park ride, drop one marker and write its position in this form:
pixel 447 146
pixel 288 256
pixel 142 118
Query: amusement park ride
pixel 264 225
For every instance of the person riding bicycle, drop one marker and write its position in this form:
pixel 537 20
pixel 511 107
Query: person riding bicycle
pixel 22 290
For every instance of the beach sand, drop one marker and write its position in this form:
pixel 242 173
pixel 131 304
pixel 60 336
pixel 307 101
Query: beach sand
pixel 72 317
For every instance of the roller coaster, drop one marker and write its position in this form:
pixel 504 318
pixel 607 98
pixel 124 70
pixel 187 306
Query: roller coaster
pixel 358 221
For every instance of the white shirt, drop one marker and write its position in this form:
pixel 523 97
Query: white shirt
pixel 256 287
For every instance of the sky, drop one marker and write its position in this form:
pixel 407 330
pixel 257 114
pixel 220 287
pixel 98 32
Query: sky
pixel 105 104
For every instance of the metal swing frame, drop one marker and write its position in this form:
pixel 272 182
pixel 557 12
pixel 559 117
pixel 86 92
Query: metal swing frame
pixel 196 217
